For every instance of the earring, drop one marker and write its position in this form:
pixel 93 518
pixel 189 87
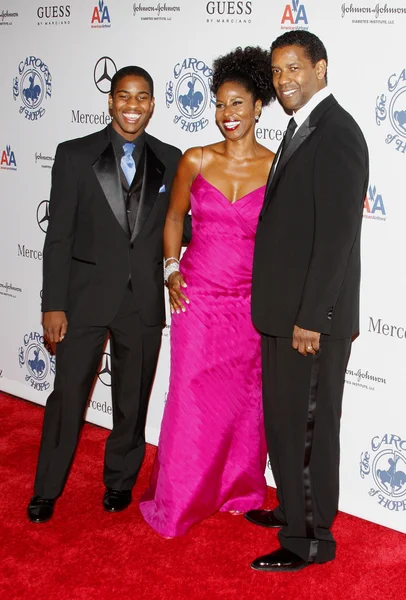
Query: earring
pixel 256 119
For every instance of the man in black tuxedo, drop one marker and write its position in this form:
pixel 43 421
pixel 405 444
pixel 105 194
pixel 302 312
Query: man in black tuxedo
pixel 103 274
pixel 305 299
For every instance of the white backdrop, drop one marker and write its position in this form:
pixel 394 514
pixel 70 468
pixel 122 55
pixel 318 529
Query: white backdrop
pixel 55 72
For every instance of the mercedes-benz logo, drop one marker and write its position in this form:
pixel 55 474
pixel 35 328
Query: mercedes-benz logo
pixel 43 215
pixel 104 70
pixel 104 373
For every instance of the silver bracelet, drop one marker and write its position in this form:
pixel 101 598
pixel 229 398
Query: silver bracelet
pixel 172 268
pixel 170 258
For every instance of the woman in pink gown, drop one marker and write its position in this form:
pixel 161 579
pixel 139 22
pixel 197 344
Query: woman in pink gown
pixel 212 451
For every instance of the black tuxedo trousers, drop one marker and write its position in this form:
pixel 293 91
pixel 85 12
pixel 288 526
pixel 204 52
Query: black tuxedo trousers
pixel 302 409
pixel 134 354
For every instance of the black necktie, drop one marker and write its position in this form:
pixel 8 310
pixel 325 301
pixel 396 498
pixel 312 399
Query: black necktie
pixel 288 136
pixel 133 194
pixel 292 125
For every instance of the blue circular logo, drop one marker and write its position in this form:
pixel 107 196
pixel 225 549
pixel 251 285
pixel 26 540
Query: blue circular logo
pixel 389 473
pixel 191 95
pixel 32 87
pixel 35 355
pixel 37 362
pixel 397 111
pixel 384 464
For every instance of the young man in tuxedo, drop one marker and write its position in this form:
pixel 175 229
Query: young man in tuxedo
pixel 103 274
pixel 305 299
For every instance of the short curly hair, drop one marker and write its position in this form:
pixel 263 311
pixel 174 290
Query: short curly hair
pixel 251 67
pixel 311 44
pixel 129 71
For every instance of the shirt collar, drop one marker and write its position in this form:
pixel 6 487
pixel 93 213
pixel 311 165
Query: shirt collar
pixel 118 142
pixel 301 115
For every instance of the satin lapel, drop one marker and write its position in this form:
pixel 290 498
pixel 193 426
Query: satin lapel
pixel 302 133
pixel 154 172
pixel 106 171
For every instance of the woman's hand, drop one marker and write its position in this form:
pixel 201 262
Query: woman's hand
pixel 176 296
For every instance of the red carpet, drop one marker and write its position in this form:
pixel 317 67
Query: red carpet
pixel 85 553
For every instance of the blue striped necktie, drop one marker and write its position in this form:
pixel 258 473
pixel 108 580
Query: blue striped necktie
pixel 127 162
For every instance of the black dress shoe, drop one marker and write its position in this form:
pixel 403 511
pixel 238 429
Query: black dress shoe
pixel 40 509
pixel 116 500
pixel 281 560
pixel 265 518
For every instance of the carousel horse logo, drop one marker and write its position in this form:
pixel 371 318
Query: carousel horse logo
pixel 191 102
pixel 32 87
pixel 390 111
pixel 34 355
pixel 189 93
pixel 385 464
pixel 392 480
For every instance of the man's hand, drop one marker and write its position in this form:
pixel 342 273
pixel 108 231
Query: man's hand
pixel 305 341
pixel 176 296
pixel 55 325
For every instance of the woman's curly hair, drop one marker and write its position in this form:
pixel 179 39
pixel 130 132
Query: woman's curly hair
pixel 251 67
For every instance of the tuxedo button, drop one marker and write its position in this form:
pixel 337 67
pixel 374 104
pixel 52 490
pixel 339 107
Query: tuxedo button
pixel 260 219
pixel 131 246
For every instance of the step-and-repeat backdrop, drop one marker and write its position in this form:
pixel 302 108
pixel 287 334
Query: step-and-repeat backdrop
pixel 57 62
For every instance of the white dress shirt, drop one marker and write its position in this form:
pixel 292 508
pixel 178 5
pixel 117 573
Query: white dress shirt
pixel 301 115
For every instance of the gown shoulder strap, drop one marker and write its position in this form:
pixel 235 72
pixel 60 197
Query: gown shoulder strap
pixel 201 162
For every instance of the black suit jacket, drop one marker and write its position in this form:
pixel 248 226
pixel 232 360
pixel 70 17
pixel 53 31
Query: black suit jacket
pixel 307 253
pixel 89 252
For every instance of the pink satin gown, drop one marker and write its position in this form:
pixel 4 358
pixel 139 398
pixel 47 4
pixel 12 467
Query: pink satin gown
pixel 212 450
